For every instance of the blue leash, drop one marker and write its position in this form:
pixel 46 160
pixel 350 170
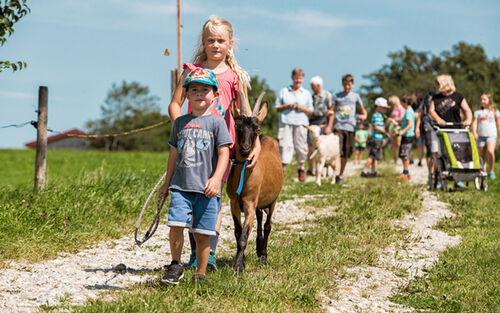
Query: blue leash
pixel 242 178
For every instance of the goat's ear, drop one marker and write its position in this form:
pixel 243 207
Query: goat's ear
pixel 262 112
pixel 322 125
pixel 234 109
pixel 308 128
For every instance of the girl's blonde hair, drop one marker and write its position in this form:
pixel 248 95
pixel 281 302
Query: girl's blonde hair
pixel 394 101
pixel 490 101
pixel 446 84
pixel 201 56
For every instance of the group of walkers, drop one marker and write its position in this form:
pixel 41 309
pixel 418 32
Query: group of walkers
pixel 411 122
pixel 202 141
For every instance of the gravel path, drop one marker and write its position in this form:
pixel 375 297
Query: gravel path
pixel 367 289
pixel 72 278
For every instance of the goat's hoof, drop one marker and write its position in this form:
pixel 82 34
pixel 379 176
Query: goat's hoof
pixel 238 268
pixel 263 260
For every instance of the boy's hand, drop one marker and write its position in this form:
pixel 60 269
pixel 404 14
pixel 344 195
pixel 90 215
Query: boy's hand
pixel 163 191
pixel 212 187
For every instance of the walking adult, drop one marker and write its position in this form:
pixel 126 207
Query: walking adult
pixel 294 103
pixel 343 113
pixel 447 104
pixel 322 101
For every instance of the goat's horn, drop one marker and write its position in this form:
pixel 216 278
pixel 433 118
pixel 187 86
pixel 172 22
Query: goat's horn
pixel 257 104
pixel 242 104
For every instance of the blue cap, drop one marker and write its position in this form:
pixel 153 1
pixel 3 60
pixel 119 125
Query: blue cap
pixel 201 75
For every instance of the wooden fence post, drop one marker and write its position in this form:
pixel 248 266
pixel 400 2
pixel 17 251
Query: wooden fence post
pixel 173 77
pixel 41 139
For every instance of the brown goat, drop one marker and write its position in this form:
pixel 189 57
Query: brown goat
pixel 262 183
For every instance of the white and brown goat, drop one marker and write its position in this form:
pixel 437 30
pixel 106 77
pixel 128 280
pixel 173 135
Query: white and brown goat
pixel 326 151
pixel 261 184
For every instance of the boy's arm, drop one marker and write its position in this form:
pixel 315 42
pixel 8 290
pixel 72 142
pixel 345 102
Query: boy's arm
pixel 331 118
pixel 172 160
pixel 212 185
pixel 407 128
pixel 380 129
pixel 363 114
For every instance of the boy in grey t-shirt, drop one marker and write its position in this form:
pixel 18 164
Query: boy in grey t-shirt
pixel 343 112
pixel 198 158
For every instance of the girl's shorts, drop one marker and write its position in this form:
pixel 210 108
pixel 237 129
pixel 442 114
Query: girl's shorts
pixel 203 211
pixel 482 140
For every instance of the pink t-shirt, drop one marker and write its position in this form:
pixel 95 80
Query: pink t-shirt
pixel 398 112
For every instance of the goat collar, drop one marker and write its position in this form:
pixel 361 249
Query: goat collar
pixel 242 177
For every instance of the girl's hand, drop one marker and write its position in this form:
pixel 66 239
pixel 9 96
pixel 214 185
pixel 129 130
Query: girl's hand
pixel 254 155
pixel 441 122
pixel 163 191
pixel 212 187
pixel 417 133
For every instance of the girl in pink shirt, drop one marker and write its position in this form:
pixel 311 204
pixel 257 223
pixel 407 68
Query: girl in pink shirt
pixel 397 114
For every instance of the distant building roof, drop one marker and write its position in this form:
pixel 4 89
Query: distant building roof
pixel 57 137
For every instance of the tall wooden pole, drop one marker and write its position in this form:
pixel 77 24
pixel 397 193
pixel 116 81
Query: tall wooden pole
pixel 41 139
pixel 178 38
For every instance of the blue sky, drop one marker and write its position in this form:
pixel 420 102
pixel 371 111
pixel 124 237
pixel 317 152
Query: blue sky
pixel 78 49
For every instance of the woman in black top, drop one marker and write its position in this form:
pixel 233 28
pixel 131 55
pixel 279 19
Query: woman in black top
pixel 446 103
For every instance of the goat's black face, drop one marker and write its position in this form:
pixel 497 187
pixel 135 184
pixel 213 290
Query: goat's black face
pixel 247 129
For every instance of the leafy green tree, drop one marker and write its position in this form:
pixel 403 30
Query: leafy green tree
pixel 411 71
pixel 270 124
pixel 11 11
pixel 128 107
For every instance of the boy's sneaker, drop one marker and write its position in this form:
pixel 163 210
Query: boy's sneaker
pixel 192 260
pixel 491 175
pixel 200 279
pixel 174 273
pixel 301 175
pixel 363 174
pixel 376 174
pixel 212 262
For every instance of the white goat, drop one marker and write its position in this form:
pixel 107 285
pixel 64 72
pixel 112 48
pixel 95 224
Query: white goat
pixel 326 151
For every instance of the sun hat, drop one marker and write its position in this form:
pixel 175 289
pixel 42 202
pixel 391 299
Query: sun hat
pixel 381 102
pixel 201 75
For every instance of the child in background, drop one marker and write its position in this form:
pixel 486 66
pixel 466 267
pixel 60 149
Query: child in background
pixel 407 138
pixel 215 52
pixel 377 138
pixel 360 139
pixel 486 130
pixel 198 159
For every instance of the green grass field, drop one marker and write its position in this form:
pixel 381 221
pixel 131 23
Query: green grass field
pixel 94 196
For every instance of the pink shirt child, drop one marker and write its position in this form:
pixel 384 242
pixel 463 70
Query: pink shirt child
pixel 398 112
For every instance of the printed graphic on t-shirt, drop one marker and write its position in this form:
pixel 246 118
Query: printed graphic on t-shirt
pixel 345 112
pixel 189 142
pixel 445 106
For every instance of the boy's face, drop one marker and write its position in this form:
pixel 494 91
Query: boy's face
pixel 347 86
pixel 201 96
pixel 381 109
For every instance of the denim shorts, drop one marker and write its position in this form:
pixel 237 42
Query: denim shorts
pixel 203 210
pixel 482 140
